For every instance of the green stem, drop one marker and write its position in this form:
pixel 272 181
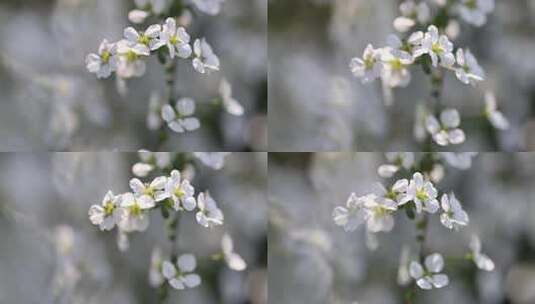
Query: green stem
pixel 172 236
pixel 170 81
pixel 421 235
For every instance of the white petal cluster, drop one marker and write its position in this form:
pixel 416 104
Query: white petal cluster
pixel 180 118
pixel 107 214
pixel 369 67
pixel 482 261
pixel 180 191
pixel 208 215
pixel 214 160
pixel 234 261
pixel 462 160
pixel 437 46
pixel 150 161
pixel 423 194
pixel 210 7
pixel 182 276
pixel 411 15
pixel 446 131
pixel 453 215
pixel 475 11
pixel 495 117
pixel 127 56
pixel 396 162
pixel 231 105
pixel 468 70
pixel 429 276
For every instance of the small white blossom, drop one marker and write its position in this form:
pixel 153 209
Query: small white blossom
pixel 454 216
pixel 475 11
pixel 429 276
pixel 153 191
pixel 461 160
pixel 469 71
pixel 496 118
pixel 369 67
pixel 437 46
pixel 397 193
pixel 205 60
pixel 482 261
pixel 209 215
pixel 214 160
pixel 234 261
pixel 380 214
pixel 137 217
pixel 131 63
pixel 411 14
pixel 182 276
pixel 446 131
pixel 353 214
pixel 210 7
pixel 107 214
pixel 154 120
pixel 396 161
pixel 146 41
pixel 180 191
pixel 105 61
pixel 182 119
pixel 423 194
pixel 156 278
pixel 395 63
pixel 231 105
pixel 138 16
pixel 176 39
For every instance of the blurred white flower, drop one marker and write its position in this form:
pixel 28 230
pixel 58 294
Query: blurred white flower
pixel 475 11
pixel 154 120
pixel 469 71
pixel 123 243
pixel 183 276
pixel 130 59
pixel 396 161
pixel 496 118
pixel 209 215
pixel 446 131
pixel 156 278
pixel 423 194
pixel 461 160
pixel 147 39
pixel 234 261
pixel 180 191
pixel 156 6
pixel 176 39
pixel 395 63
pixel 354 214
pixel 138 16
pixel 105 62
pixel 136 217
pixel 153 191
pixel 182 119
pixel 437 46
pixel 482 261
pixel 210 7
pixel 205 60
pixel 150 161
pixel 396 194
pixel 369 67
pixel 429 276
pixel 214 160
pixel 453 216
pixel 107 214
pixel 411 14
pixel 380 214
pixel 231 105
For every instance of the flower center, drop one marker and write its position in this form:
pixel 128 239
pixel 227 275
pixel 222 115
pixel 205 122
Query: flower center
pixel 396 64
pixel 437 48
pixel 135 209
pixel 131 56
pixel 105 56
pixel 174 39
pixel 143 39
pixel 391 195
pixel 149 191
pixel 422 195
pixel 109 206
pixel 380 211
pixel 180 193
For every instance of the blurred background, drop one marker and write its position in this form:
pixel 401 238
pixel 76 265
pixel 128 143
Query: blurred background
pixel 49 101
pixel 315 104
pixel 311 260
pixel 44 203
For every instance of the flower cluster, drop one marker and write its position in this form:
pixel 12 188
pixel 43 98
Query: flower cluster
pixel 418 196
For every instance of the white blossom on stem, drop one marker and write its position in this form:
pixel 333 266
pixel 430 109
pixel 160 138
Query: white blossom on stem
pixel 446 131
pixel 182 275
pixel 430 276
pixel 231 105
pixel 475 11
pixel 176 39
pixel 209 215
pixel 234 261
pixel 180 119
pixel 437 46
pixel 353 214
pixel 411 14
pixel 105 61
pixel 454 215
pixel 481 260
pixel 469 71
pixel 369 67
pixel 180 191
pixel 396 161
pixel 205 60
pixel 136 217
pixel 107 214
pixel 495 117
pixel 423 194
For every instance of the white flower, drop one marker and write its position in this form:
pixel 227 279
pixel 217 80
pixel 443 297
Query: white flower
pixel 210 7
pixel 153 191
pixel 231 105
pixel 180 191
pixel 150 161
pixel 146 41
pixel 156 6
pixel 469 71
pixel 423 194
pixel 369 67
pixel 411 13
pixel 183 276
pixel 482 261
pixel 234 261
pixel 397 160
pixel 395 63
pixel 437 46
pixel 205 60
pixel 130 60
pixel 105 62
pixel 136 218
pixel 430 276
pixel 176 39
pixel 396 194
pixel 214 160
pixel 182 119
pixel 137 16
pixel 209 215
pixel 496 118
pixel 475 11
pixel 446 131
pixel 380 214
pixel 461 160
pixel 354 214
pixel 154 120
pixel 454 216
pixel 107 214
pixel 156 278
